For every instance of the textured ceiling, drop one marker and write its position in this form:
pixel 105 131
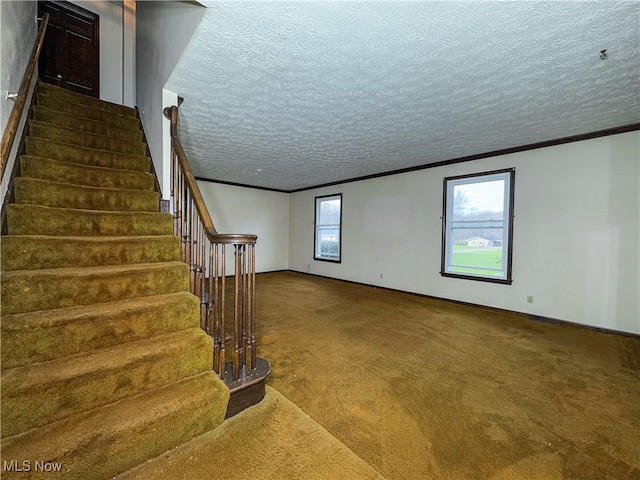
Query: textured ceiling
pixel 317 92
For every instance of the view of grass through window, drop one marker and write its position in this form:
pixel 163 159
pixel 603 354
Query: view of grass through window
pixel 477 225
pixel 328 215
pixel 477 228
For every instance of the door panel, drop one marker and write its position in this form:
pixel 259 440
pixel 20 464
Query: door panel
pixel 70 53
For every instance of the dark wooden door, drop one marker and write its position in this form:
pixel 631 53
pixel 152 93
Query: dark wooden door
pixel 70 54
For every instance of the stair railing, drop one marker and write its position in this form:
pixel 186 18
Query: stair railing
pixel 9 135
pixel 204 249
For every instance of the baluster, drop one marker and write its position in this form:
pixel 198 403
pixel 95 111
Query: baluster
pixel 245 306
pixel 183 220
pixel 201 293
pixel 207 282
pixel 174 161
pixel 237 327
pixel 178 208
pixel 210 298
pixel 251 353
pixel 217 335
pixel 188 245
pixel 221 307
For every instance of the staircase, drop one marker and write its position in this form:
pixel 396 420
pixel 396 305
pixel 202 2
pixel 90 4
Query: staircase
pixel 103 361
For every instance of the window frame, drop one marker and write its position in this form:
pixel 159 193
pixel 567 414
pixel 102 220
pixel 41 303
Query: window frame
pixel 508 216
pixel 316 254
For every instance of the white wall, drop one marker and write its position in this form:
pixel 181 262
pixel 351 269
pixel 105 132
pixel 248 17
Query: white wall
pixel 129 53
pixel 18 30
pixel 116 45
pixel 576 233
pixel 251 211
pixel 163 30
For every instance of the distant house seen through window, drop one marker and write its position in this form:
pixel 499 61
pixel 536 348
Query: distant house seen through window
pixel 477 226
pixel 328 221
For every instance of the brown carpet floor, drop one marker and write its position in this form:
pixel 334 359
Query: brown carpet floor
pixel 273 440
pixel 427 389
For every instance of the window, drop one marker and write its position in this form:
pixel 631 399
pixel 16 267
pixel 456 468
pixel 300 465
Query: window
pixel 477 227
pixel 328 223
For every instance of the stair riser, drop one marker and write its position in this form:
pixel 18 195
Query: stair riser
pixel 43 336
pixel 68 120
pixel 84 139
pixel 38 147
pixel 56 170
pixel 80 99
pixel 42 192
pixel 91 113
pixel 115 438
pixel 39 252
pixel 37 220
pixel 31 399
pixel 101 364
pixel 33 290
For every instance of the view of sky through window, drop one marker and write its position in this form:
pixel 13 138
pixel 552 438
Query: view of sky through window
pixel 482 196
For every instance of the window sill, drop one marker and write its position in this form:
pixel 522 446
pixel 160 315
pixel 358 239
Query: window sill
pixel 502 281
pixel 330 260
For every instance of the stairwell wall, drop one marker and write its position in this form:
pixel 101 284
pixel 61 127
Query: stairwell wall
pixel 116 46
pixel 576 233
pixel 18 30
pixel 163 30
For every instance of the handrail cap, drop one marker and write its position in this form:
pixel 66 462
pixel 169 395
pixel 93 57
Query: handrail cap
pixel 234 238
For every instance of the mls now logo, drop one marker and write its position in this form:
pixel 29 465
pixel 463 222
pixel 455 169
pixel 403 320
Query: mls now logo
pixel 26 466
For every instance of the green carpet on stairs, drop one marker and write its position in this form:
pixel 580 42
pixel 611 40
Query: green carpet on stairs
pixel 104 364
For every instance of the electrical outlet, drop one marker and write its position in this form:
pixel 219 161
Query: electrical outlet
pixel 381 276
pixel 529 298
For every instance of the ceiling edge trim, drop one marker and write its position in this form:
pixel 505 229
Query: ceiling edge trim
pixel 479 156
pixel 224 182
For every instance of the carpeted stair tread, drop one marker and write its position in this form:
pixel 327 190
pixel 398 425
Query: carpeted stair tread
pixel 42 251
pixel 87 111
pixel 65 195
pixel 104 364
pixel 280 442
pixel 49 334
pixel 81 99
pixel 98 141
pixel 80 174
pixel 40 220
pixel 112 439
pixel 33 290
pixel 38 394
pixel 41 147
pixel 68 120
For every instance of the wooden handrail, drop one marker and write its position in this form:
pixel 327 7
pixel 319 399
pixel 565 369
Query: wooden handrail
pixel 11 130
pixel 227 238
